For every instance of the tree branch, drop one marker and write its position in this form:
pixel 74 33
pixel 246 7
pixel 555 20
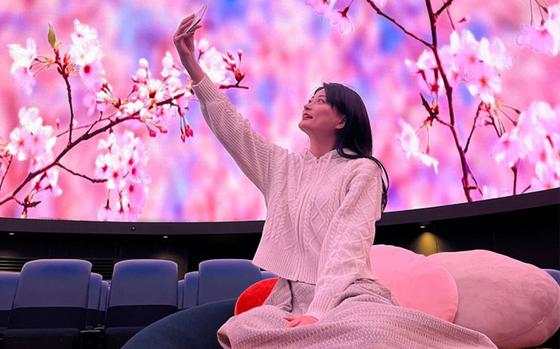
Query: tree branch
pixel 62 72
pixel 442 8
pixel 392 20
pixel 449 95
pixel 478 110
pixel 6 172
pixel 93 180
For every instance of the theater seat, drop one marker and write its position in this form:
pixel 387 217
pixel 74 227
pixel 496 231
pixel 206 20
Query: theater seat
pixel 94 295
pixel 268 275
pixel 190 290
pixel 8 284
pixel 554 273
pixel 142 291
pixel 180 289
pixel 103 302
pixel 49 308
pixel 221 279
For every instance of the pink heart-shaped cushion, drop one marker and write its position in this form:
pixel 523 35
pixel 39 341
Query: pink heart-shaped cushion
pixel 415 281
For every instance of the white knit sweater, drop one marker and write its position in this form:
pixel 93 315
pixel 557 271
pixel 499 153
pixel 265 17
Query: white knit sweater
pixel 321 212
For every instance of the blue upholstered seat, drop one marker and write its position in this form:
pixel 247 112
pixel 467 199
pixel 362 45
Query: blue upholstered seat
pixel 94 295
pixel 49 307
pixel 142 291
pixel 8 284
pixel 180 288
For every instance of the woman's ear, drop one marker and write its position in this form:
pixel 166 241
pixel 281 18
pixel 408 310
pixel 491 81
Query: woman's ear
pixel 341 123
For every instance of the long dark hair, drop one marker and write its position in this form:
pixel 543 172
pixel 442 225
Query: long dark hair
pixel 356 133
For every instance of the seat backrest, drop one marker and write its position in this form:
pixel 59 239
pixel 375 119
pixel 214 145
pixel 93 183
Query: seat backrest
pixel 190 291
pixel 103 301
pixel 554 273
pixel 180 288
pixel 267 274
pixel 51 293
pixel 221 279
pixel 8 284
pixel 142 291
pixel 94 295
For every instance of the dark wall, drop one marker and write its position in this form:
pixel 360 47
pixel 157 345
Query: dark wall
pixel 527 229
pixel 105 250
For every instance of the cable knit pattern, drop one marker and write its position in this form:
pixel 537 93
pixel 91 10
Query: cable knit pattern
pixel 319 228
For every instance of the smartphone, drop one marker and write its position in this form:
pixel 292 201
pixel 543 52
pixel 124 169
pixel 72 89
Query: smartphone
pixel 197 18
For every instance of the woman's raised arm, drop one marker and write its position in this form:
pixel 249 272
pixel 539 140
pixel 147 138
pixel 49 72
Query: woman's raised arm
pixel 250 150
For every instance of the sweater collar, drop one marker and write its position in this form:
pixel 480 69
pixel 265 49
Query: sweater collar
pixel 308 155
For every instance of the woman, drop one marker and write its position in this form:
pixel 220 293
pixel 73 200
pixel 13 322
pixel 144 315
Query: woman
pixel 322 206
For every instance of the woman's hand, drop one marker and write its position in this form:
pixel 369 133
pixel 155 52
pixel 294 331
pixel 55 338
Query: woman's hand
pixel 184 43
pixel 302 320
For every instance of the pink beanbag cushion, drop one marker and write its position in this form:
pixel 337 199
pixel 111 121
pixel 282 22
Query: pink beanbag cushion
pixel 415 281
pixel 515 304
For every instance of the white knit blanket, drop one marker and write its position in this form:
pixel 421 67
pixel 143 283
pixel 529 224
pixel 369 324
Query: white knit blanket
pixel 365 317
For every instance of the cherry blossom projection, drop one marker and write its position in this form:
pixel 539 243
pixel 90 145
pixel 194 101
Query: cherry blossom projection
pixel 99 120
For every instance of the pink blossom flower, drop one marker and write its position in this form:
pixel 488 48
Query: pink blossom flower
pixel 547 168
pixel 171 74
pixel 535 141
pixel 47 185
pixel 31 139
pixel 543 37
pixel 213 64
pixel 340 19
pixel 23 58
pixel 99 98
pixel 123 165
pixel 86 53
pixel 485 83
pixel 335 17
pixel 509 148
pixel 553 22
pixel 449 66
pixel 410 144
pixel 475 63
pixel 426 70
pixel 494 53
pixel 465 49
pixel 201 46
pixel 538 38
pixel 321 6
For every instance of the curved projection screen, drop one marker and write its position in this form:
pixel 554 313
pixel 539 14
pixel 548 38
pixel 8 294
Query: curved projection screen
pixel 500 59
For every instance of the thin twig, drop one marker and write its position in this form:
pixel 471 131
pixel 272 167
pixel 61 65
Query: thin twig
pixel 448 12
pixel 69 93
pixel 93 180
pixel 514 169
pixel 478 110
pixel 442 8
pixel 90 126
pixel 531 9
pixel 494 125
pixel 6 172
pixel 508 117
pixel 383 14
pixel 224 87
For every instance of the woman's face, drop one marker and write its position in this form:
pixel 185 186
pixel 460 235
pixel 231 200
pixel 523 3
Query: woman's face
pixel 320 118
